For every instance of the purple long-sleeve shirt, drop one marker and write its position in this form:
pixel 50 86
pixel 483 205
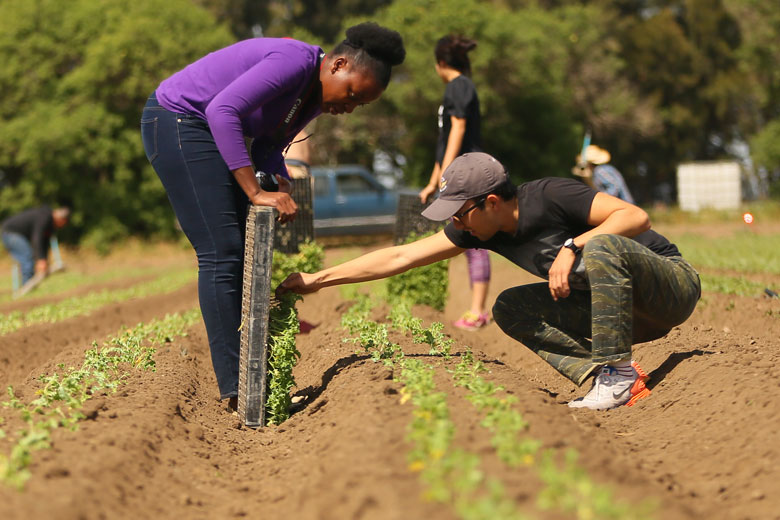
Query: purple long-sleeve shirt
pixel 248 89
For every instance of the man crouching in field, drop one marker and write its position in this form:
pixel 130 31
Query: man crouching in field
pixel 612 281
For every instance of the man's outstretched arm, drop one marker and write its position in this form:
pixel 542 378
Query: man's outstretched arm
pixel 374 265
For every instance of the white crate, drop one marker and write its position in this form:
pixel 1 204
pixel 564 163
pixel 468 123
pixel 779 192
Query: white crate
pixel 709 185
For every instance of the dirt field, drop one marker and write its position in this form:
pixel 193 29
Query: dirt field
pixel 705 444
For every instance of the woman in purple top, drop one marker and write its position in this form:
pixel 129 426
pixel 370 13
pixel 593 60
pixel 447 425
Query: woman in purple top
pixel 193 129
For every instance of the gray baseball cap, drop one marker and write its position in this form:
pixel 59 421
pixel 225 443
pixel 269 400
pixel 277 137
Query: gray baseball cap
pixel 469 176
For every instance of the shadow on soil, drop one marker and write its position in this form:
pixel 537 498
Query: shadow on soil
pixel 658 375
pixel 310 394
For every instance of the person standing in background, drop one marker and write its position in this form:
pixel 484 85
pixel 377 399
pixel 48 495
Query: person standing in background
pixel 459 133
pixel 597 173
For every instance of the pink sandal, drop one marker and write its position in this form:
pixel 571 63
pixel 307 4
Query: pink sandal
pixel 471 321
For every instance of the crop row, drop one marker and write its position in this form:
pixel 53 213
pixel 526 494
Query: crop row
pixel 82 305
pixel 453 475
pixel 63 393
pixel 69 280
pixel 283 325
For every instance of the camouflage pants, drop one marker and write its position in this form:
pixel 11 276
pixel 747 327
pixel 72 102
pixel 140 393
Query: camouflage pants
pixel 635 296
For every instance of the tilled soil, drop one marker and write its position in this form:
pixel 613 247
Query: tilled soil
pixel 705 444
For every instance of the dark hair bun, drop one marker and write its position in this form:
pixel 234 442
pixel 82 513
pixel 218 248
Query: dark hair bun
pixel 464 44
pixel 381 43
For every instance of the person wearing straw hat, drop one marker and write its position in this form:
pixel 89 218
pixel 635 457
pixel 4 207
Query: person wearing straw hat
pixel 612 282
pixel 596 171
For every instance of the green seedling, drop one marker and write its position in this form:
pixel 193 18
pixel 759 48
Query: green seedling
pixel 83 305
pixel 62 393
pixel 282 357
pixel 426 285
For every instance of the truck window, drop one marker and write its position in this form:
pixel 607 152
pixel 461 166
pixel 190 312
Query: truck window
pixel 353 183
pixel 321 186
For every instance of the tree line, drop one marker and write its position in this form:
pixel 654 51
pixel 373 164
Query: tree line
pixel 656 82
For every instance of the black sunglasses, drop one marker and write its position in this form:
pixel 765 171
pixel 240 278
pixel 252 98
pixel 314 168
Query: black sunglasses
pixel 465 212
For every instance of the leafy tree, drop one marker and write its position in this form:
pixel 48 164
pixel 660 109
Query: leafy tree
pixel 766 153
pixel 539 74
pixel 683 55
pixel 242 16
pixel 322 18
pixel 75 76
pixel 760 64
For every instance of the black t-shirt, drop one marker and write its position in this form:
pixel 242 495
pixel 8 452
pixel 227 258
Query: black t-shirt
pixel 461 101
pixel 36 225
pixel 552 210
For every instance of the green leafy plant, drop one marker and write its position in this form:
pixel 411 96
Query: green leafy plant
pixel 309 259
pixel 282 357
pixel 500 418
pixel 283 325
pixel 568 488
pixel 426 285
pixel 401 317
pixel 372 336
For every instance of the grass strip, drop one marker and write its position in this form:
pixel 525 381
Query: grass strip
pixel 747 251
pixel 83 305
pixel 731 285
pixel 63 393
pixel 68 280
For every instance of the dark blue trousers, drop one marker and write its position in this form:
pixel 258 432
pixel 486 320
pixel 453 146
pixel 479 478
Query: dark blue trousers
pixel 21 250
pixel 212 210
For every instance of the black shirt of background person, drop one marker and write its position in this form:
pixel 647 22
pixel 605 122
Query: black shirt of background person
pixel 552 210
pixel 461 101
pixel 36 225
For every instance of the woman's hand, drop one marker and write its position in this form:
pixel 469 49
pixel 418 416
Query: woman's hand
pixel 283 203
pixel 301 283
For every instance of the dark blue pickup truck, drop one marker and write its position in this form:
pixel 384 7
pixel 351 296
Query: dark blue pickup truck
pixel 348 199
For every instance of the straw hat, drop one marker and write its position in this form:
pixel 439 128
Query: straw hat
pixel 595 155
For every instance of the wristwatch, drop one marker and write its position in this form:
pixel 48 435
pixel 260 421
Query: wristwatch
pixel 571 245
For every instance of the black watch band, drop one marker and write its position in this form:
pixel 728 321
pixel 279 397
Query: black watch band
pixel 571 245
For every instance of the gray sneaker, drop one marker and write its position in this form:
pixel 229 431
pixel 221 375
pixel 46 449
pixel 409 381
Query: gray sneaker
pixel 610 390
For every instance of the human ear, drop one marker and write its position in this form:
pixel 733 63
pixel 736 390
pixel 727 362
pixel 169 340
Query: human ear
pixel 339 63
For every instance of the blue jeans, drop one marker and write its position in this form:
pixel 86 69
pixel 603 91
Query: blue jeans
pixel 212 211
pixel 19 248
